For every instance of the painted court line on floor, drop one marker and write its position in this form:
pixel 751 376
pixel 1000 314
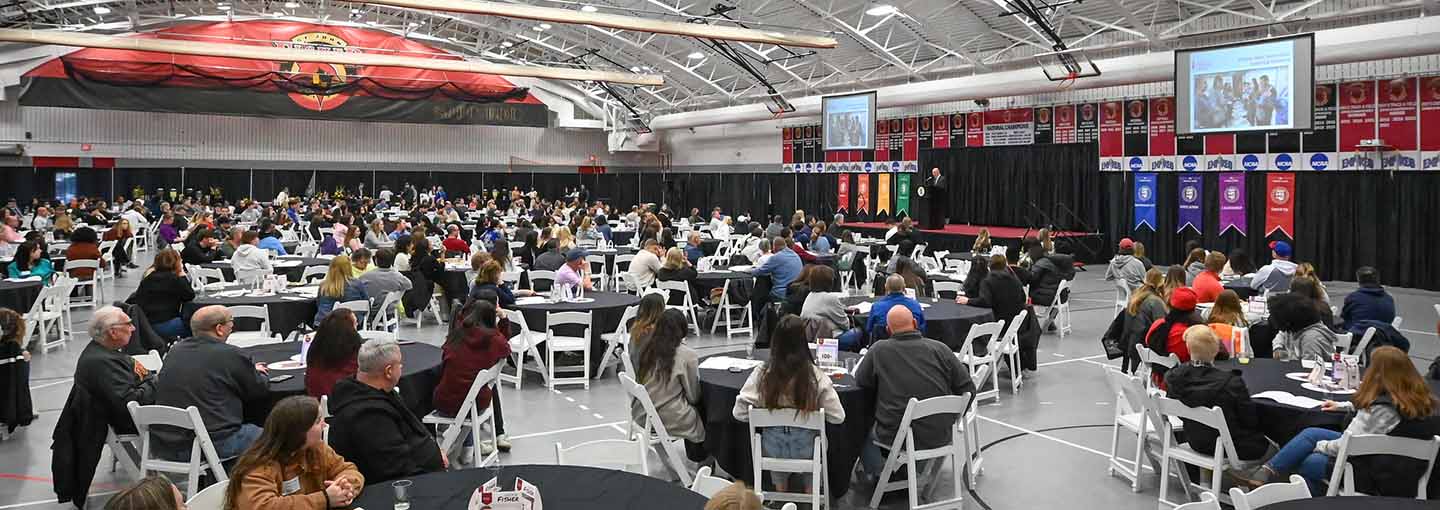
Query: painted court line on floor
pixel 562 431
pixel 50 501
pixel 49 384
pixel 1045 436
pixel 1071 360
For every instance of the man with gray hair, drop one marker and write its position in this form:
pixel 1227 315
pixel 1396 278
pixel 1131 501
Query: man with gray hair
pixel 113 378
pixel 372 427
pixel 215 377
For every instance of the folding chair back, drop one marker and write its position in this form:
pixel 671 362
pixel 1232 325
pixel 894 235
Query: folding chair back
pixel 653 430
pixel 706 484
pixel 468 416
pixel 947 289
pixel 607 453
pixel 202 449
pixel 313 273
pixel 903 453
pixel 212 498
pixel 1423 450
pixel 815 466
pixel 1270 493
pixel 568 343
pixel 1224 449
pixel 537 276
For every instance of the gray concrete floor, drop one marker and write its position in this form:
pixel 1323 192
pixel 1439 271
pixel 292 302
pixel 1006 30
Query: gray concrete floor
pixel 1044 448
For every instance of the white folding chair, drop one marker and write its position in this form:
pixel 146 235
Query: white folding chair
pixel 621 266
pixel 1172 453
pixel 903 453
pixel 312 274
pixel 1149 357
pixel 603 274
pixel 469 416
pixel 982 367
pixel 151 360
pixel 307 250
pixel 93 299
pixel 202 449
pixel 107 254
pixel 1134 412
pixel 652 431
pixel 1342 481
pixel 918 253
pixel 617 343
pixel 46 314
pixel 1397 322
pixel 262 336
pixel 560 343
pixel 511 278
pixel 142 238
pixel 212 498
pixel 815 466
pixel 523 342
pixel 686 306
pixel 385 316
pixel 940 286
pixel 1122 295
pixel 1270 493
pixel 724 314
pixel 1207 502
pixel 209 278
pixel 1061 307
pixel 537 275
pixel 1362 349
pixel 626 282
pixel 1010 348
pixel 706 484
pixel 625 454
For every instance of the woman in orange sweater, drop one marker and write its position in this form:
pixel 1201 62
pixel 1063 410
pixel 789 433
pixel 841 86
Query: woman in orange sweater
pixel 290 467
pixel 84 245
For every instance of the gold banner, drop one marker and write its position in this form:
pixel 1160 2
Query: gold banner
pixel 882 204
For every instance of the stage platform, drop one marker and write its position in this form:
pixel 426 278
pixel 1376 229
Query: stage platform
pixel 1089 247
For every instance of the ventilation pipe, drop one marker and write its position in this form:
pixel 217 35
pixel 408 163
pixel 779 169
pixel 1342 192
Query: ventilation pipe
pixel 1395 39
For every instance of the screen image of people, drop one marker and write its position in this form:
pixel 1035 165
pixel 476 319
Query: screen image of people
pixel 1242 88
pixel 848 121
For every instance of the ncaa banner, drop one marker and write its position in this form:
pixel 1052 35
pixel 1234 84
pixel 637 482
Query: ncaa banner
pixel 1250 162
pixel 1192 193
pixel 902 195
pixel 862 193
pixel 1232 202
pixel 1284 161
pixel 1135 163
pixel 1145 201
pixel 1189 162
pixel 1280 203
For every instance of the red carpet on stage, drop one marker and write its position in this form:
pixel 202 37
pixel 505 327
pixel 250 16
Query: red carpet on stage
pixel 996 232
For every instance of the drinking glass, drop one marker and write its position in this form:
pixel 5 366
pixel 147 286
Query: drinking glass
pixel 402 494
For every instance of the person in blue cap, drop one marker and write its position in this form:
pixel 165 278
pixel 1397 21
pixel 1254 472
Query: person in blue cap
pixel 1276 275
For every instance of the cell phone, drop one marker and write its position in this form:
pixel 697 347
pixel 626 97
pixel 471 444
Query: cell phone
pixel 281 378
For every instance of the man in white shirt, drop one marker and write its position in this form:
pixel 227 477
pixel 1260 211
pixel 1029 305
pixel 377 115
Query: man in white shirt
pixel 719 227
pixel 41 221
pixel 136 216
pixel 645 267
pixel 385 194
pixel 761 252
pixel 1276 275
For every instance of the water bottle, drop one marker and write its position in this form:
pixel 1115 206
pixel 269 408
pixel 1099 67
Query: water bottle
pixel 1337 367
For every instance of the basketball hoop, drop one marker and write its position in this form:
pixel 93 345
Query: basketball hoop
pixel 1066 66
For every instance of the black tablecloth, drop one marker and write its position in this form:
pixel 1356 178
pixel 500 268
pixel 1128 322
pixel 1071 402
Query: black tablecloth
pixel 286 315
pixel 455 284
pixel 417 383
pixel 19 296
pixel 621 236
pixel 561 488
pixel 1241 286
pixel 606 311
pixel 1353 503
pixel 728 439
pixel 945 320
pixel 1280 421
pixel 292 273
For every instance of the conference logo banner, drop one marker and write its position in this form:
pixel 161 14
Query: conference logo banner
pixel 1164 163
pixel 1192 194
pixel 1010 127
pixel 862 194
pixel 1357 122
pixel 1065 123
pixel 1232 202
pixel 882 200
pixel 1136 163
pixel 1397 122
pixel 902 194
pixel 1145 201
pixel 844 192
pixel 1280 203
pixel 1285 161
pixel 1430 123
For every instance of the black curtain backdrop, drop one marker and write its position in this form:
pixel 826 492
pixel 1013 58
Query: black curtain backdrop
pixel 998 185
pixel 1342 221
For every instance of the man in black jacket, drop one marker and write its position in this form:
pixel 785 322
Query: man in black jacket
pixel 1199 384
pixel 371 425
pixel 202 248
pixel 1044 277
pixel 1000 291
pixel 112 377
pixel 215 377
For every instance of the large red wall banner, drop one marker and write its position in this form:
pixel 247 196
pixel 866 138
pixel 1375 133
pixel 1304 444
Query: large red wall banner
pixel 1280 203
pixel 1430 123
pixel 975 129
pixel 1397 123
pixel 1357 122
pixel 1010 127
pixel 165 82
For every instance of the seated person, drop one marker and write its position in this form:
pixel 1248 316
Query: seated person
pixel 200 248
pixel 670 372
pixel 894 296
pixel 249 261
pixel 575 272
pixel 205 372
pixel 1199 384
pixel 1167 335
pixel 1370 302
pixel 453 244
pixel 372 426
pixel 290 466
pixel 1276 275
pixel 1044 275
pixel 552 258
pixel 783 267
pixel 1300 332
pixel 823 305
pixel 1207 283
pixel 907 366
pixel 360 262
pixel 677 268
pixel 153 492
pixel 477 343
pixel 1001 292
pixel 162 293
pixel 1125 266
pixel 645 268
pixel 110 376
pixel 18 406
pixel 339 286
pixel 693 252
pixel 331 355
pixel 384 279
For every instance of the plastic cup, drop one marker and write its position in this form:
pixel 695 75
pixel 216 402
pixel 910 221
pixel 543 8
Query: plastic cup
pixel 402 494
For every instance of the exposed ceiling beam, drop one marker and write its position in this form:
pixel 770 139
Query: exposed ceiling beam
pixel 255 52
pixel 859 34
pixel 600 19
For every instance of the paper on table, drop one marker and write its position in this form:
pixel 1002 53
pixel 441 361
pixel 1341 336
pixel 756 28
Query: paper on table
pixel 726 362
pixel 862 307
pixel 742 268
pixel 30 279
pixel 1285 397
pixel 530 300
pixel 288 263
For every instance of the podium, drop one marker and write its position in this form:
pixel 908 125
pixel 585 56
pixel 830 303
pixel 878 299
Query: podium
pixel 930 209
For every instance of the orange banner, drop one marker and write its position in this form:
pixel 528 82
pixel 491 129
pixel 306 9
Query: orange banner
pixel 882 202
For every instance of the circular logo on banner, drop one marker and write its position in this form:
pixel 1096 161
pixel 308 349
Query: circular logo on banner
pixel 1319 162
pixel 1136 164
pixel 1189 193
pixel 1112 110
pixel 1284 161
pixel 1087 111
pixel 1137 108
pixel 895 126
pixel 975 119
pixel 1322 95
pixel 318 76
pixel 1189 163
pixel 1399 90
pixel 942 122
pixel 925 123
pixel 1042 115
pixel 869 166
pixel 1250 162
pixel 1433 86
pixel 1357 93
pixel 920 192
pixel 1232 194
pixel 894 166
pixel 1162 108
pixel 1280 195
pixel 1063 114
pixel 1143 194
pixel 959 120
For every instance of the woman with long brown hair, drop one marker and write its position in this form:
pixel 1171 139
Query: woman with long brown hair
pixel 290 466
pixel 1174 279
pixel 789 380
pixel 670 372
pixel 150 493
pixel 1391 392
pixel 1146 305
pixel 162 292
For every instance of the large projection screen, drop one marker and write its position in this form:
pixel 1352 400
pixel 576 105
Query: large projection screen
pixel 1256 86
pixel 849 121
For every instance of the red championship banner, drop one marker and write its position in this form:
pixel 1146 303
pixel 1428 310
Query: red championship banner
pixel 1280 203
pixel 786 147
pixel 911 150
pixel 1220 153
pixel 882 140
pixel 1014 126
pixel 1112 125
pixel 862 192
pixel 942 132
pixel 844 198
pixel 1398 116
pixel 975 129
pixel 1162 126
pixel 1357 119
pixel 1430 123
pixel 1065 123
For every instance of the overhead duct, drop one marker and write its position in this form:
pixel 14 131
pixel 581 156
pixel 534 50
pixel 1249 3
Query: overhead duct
pixel 1395 39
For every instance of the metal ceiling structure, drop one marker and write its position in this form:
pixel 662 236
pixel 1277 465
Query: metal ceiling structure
pixel 882 42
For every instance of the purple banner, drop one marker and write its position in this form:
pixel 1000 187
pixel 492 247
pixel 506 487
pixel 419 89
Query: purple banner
pixel 1232 202
pixel 1192 193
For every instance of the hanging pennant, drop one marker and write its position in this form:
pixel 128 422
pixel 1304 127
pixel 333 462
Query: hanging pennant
pixel 1145 200
pixel 1280 203
pixel 862 192
pixel 882 202
pixel 902 195
pixel 844 195
pixel 1192 193
pixel 1232 202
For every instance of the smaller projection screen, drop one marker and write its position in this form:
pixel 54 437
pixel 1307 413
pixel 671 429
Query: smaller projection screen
pixel 1256 86
pixel 849 121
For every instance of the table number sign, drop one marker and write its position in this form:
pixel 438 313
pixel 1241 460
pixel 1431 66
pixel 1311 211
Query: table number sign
pixel 526 496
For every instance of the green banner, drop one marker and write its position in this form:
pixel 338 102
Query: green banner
pixel 902 194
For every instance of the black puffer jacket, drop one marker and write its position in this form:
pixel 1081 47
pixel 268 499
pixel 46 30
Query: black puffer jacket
pixel 379 434
pixel 1045 275
pixel 1207 386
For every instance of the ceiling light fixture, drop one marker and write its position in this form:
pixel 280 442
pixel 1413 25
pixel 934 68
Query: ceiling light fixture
pixel 695 55
pixel 292 5
pixel 589 8
pixel 414 23
pixel 544 26
pixel 354 11
pixel 506 44
pixel 223 7
pixel 537 29
pixel 102 10
pixel 881 10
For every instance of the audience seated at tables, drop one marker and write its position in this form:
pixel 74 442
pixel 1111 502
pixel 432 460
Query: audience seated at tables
pixel 1167 335
pixel 1227 314
pixel 875 324
pixel 1044 275
pixel 820 240
pixel 773 228
pixel 1301 330
pixel 1392 395
pixel 290 467
pixel 16 407
pixel 645 268
pixel 339 286
pixel 453 244
pixel 218 378
pixel 383 279
pixel 1238 264
pixel 111 377
pixel 1140 256
pixel 1001 292
pixel 904 231
pixel 249 261
pixel 1199 384
pixel 551 258
pixel 162 293
pixel 693 252
pixel 1369 302
pixel 153 492
pixel 979 263
pixel 10 236
pixel 375 236
pixel 232 242
pixel 823 306
pixel 360 262
pixel 1207 283
pixel 331 355
pixel 789 380
pixel 805 256
pixel 576 271
pixel 758 251
pixel 84 245
pixel 906 366
pixel 478 342
pixel 1194 264
pixel 167 231
pixel 270 239
pixel 1310 288
pixel 371 425
pixel 1126 266
pixel 62 227
pixel 651 310
pixel 1174 279
pixel 41 219
pixel 1276 275
pixel 200 247
pixel 670 372
pixel 783 266
pixel 31 261
pixel 1307 271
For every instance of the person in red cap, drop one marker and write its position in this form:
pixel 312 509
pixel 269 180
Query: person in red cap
pixel 1125 266
pixel 1167 335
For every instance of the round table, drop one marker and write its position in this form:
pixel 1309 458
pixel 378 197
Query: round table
pixel 292 271
pixel 618 236
pixel 455 283
pixel 19 296
pixel 728 439
pixel 606 310
pixel 1281 421
pixel 1352 503
pixel 945 320
pixel 561 488
pixel 417 382
pixel 288 312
